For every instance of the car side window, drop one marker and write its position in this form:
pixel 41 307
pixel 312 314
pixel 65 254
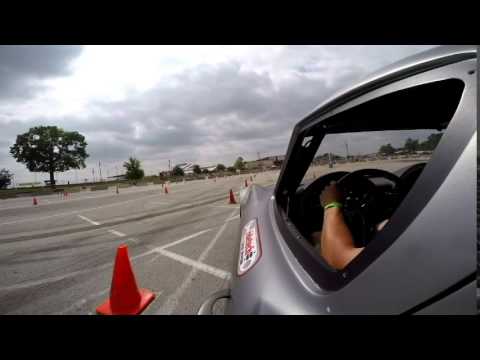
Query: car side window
pixel 399 132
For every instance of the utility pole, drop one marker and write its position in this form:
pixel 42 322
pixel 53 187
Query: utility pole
pixel 168 165
pixel 346 146
pixel 93 174
pixel 100 169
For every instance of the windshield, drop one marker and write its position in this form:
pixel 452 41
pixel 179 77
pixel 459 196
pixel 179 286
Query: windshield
pixel 386 150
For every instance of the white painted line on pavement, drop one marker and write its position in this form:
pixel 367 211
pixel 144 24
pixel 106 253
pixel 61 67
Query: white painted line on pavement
pixel 118 233
pixel 32 283
pixel 233 218
pixel 28 284
pixel 222 274
pixel 160 202
pixel 226 206
pixel 76 211
pixel 88 220
pixel 182 240
pixel 157 296
pixel 81 302
pixel 172 301
pixel 153 259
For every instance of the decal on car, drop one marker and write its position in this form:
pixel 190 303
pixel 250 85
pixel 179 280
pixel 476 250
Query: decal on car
pixel 250 249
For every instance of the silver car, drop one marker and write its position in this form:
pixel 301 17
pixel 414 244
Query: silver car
pixel 424 261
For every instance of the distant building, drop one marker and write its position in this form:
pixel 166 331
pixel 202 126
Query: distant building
pixel 118 177
pixel 265 163
pixel 209 168
pixel 186 167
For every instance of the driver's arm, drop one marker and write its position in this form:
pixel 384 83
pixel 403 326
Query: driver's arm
pixel 337 247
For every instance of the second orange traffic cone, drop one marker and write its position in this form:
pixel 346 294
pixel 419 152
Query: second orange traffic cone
pixel 125 296
pixel 166 189
pixel 232 198
pixel 35 202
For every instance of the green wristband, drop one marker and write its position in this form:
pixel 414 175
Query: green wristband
pixel 333 204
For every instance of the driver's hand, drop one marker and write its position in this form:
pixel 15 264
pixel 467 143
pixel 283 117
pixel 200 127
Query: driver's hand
pixel 331 193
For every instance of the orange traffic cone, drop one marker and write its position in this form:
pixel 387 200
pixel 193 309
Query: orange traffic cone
pixel 166 189
pixel 35 202
pixel 125 296
pixel 232 198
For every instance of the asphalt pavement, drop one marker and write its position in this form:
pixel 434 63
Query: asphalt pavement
pixel 57 257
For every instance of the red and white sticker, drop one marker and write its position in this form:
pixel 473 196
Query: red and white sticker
pixel 250 248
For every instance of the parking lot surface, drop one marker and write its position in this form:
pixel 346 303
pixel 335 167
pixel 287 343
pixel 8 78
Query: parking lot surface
pixel 57 257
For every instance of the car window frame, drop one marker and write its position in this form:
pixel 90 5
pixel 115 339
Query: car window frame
pixel 442 161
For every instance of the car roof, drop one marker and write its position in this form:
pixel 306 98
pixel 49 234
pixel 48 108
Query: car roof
pixel 436 57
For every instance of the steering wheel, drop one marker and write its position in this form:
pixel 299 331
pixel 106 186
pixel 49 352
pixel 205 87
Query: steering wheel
pixel 362 201
pixel 310 211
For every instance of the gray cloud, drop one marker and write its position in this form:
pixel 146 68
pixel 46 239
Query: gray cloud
pixel 23 66
pixel 214 113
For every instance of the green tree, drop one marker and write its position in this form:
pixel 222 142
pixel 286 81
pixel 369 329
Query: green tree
pixel 178 171
pixel 239 163
pixel 221 167
pixel 196 169
pixel 431 143
pixel 205 171
pixel 5 178
pixel 50 149
pixel 231 169
pixel 411 145
pixel 134 169
pixel 386 149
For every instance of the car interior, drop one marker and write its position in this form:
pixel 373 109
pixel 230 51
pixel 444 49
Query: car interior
pixel 371 194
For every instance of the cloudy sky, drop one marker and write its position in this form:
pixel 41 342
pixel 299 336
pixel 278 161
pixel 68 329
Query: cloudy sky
pixel 201 104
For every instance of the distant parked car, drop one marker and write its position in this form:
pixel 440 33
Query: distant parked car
pixel 424 260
